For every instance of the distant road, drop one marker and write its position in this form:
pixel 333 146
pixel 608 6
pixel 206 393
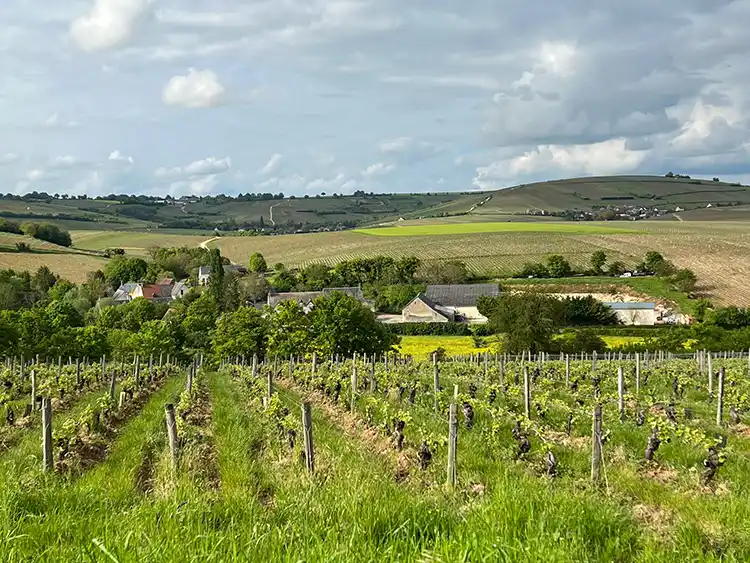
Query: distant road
pixel 204 244
pixel 270 213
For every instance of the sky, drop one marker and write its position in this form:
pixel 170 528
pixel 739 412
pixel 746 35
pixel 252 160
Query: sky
pixel 320 96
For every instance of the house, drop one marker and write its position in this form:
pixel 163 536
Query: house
pixel 204 272
pixel 163 291
pixel 448 303
pixel 636 313
pixel 306 298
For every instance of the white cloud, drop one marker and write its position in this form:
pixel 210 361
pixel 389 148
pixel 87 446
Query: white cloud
pixel 35 174
pixel 117 156
pixel 273 165
pixel 9 158
pixel 378 169
pixel 196 89
pixel 108 24
pixel 408 149
pixel 63 161
pixel 607 157
pixel 210 165
pixel 201 185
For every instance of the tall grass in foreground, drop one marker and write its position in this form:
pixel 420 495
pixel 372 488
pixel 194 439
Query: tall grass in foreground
pixel 268 509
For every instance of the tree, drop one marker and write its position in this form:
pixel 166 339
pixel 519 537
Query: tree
pixel 258 263
pixel 598 260
pixel 684 280
pixel 43 279
pixel 558 266
pixel 231 296
pixel 253 289
pixel 240 333
pixel 449 272
pixel 533 270
pixel 155 337
pixel 616 268
pixel 584 340
pixel 342 325
pixel 200 318
pixel 588 310
pixel 47 232
pixel 315 277
pixel 527 320
pixel 289 330
pixel 124 269
pixel 216 281
pixel 701 309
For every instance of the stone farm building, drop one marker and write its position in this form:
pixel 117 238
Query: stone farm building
pixel 163 291
pixel 306 298
pixel 636 313
pixel 447 303
pixel 204 272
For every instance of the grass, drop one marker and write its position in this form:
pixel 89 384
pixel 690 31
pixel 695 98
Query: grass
pixel 493 227
pixel 133 243
pixel 72 267
pixel 353 509
pixel 422 347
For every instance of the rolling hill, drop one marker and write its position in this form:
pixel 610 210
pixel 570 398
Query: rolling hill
pixel 595 192
pixel 333 212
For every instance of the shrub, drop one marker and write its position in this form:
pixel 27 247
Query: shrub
pixel 47 232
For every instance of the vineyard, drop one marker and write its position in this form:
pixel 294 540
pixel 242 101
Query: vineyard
pixel 476 458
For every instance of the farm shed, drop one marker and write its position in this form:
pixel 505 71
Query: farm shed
pixel 449 302
pixel 204 272
pixel 636 313
pixel 306 298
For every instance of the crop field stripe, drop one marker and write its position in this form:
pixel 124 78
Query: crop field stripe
pixel 240 437
pixel 495 227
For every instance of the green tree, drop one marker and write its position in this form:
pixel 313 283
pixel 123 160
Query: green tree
pixel 231 295
pixel 288 330
pixel 684 280
pixel 342 325
pixel 61 288
pixel 200 318
pixel 216 281
pixel 258 263
pixel 253 288
pixel 598 260
pixel 528 321
pixel 124 269
pixel 47 232
pixel 240 333
pixel 533 270
pixel 449 272
pixel 558 266
pixel 315 277
pixel 10 297
pixel 154 338
pixel 43 280
pixel 584 340
pixel 701 309
pixel 616 268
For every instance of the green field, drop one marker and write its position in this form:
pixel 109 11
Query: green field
pixel 241 491
pixel 494 227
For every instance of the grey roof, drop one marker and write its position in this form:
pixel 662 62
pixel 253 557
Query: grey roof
pixel 460 295
pixel 206 270
pixel 447 314
pixel 306 297
pixel 179 287
pixel 632 306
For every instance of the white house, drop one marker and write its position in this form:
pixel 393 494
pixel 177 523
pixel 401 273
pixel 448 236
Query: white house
pixel 636 313
pixel 449 303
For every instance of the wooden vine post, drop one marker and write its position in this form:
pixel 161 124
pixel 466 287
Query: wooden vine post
pixel 621 392
pixel 637 373
pixel 112 382
pixel 373 378
pixel 596 452
pixel 190 375
pixel 526 394
pixel 452 444
pixel 33 389
pixel 436 381
pixel 269 384
pixel 353 403
pixel 720 396
pixel 255 366
pixel 78 373
pixel 47 461
pixel 172 433
pixel 710 375
pixel 567 370
pixel 307 434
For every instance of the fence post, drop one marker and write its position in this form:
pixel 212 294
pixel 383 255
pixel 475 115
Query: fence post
pixel 78 373
pixel 593 361
pixel 596 453
pixel 436 380
pixel 255 366
pixel 526 393
pixel 353 403
pixel 452 444
pixel 33 389
pixel 47 461
pixel 137 371
pixel 172 432
pixel 567 370
pixel 190 375
pixel 373 378
pixel 621 392
pixel 112 381
pixel 637 373
pixel 720 402
pixel 269 384
pixel 710 375
pixel 308 437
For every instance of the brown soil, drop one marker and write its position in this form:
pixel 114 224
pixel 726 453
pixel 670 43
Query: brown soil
pixel 659 473
pixel 404 461
pixel 562 439
pixel 656 518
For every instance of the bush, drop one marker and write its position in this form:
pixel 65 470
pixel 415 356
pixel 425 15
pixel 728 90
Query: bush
pixel 9 227
pixel 584 340
pixel 558 266
pixel 47 232
pixel 533 270
pixel 429 329
pixel 22 247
